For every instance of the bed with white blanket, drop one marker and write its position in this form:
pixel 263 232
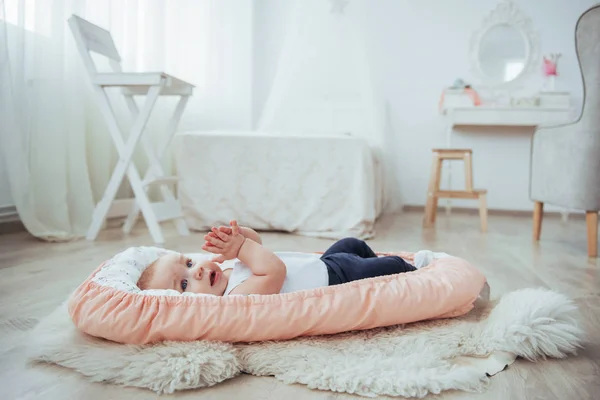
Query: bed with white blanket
pixel 326 186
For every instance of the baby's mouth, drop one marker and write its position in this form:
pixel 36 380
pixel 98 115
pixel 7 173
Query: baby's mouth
pixel 212 277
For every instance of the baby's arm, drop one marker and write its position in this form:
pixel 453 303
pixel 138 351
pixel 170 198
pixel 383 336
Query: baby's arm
pixel 268 271
pixel 251 234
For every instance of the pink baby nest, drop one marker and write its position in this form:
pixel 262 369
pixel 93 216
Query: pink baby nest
pixel 447 287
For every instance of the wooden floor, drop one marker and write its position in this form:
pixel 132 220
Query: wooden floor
pixel 35 277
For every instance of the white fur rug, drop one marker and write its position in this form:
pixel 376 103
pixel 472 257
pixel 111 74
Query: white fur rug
pixel 411 360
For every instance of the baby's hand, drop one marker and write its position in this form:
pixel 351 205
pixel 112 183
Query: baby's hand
pixel 214 232
pixel 227 245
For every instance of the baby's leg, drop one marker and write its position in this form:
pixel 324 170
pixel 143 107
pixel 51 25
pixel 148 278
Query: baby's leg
pixel 349 267
pixel 351 246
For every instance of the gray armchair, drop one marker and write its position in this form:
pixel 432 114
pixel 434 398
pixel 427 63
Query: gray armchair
pixel 565 159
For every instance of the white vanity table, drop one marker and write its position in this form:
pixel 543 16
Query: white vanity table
pixel 505 56
pixel 506 116
pixel 503 116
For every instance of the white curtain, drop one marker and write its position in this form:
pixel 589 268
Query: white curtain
pixel 53 141
pixel 324 82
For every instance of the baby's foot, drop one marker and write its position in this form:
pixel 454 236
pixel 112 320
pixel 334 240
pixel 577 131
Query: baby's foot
pixel 424 257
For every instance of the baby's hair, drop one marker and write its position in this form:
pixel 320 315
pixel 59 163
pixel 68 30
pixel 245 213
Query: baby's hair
pixel 147 276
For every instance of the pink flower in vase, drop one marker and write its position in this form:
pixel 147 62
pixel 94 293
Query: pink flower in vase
pixel 551 64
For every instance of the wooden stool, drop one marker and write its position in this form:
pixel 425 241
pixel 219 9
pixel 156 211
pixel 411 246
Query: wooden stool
pixel 434 193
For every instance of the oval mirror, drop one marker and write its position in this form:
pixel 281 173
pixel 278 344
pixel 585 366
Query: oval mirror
pixel 502 53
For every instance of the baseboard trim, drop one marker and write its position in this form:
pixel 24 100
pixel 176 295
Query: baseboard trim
pixel 9 220
pixel 8 214
pixel 498 212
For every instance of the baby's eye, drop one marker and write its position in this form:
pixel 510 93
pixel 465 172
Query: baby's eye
pixel 189 263
pixel 184 284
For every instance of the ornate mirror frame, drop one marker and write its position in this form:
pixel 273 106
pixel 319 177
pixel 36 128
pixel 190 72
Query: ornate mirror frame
pixel 506 13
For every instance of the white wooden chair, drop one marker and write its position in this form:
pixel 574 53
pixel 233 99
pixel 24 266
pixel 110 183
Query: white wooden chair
pixel 92 38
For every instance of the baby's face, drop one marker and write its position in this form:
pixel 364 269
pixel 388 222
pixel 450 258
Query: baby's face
pixel 177 272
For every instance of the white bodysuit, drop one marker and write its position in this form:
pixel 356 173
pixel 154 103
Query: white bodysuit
pixel 304 271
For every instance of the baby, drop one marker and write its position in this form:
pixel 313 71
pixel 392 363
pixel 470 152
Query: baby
pixel 246 267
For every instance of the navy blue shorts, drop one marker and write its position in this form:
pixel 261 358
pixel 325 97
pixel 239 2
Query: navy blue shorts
pixel 351 259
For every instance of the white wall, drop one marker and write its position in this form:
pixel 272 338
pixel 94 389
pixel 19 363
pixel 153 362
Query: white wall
pixel 420 47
